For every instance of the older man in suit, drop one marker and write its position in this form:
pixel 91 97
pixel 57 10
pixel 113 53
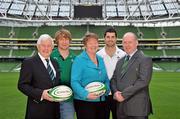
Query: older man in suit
pixel 130 81
pixel 35 81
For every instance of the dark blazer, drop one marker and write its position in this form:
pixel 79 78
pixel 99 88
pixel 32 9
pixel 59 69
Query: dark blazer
pixel 134 85
pixel 34 78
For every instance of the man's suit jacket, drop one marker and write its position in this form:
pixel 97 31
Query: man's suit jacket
pixel 134 85
pixel 34 78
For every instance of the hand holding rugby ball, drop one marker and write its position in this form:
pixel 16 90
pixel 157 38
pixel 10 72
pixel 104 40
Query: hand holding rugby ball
pixel 60 93
pixel 96 87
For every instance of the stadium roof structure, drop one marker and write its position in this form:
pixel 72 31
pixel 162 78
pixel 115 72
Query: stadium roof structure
pixel 113 12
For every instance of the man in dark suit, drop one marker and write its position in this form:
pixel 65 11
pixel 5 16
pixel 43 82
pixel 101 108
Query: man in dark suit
pixel 35 81
pixel 130 81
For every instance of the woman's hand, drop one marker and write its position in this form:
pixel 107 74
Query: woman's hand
pixel 92 96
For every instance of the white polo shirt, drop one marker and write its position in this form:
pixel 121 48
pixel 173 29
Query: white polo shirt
pixel 110 62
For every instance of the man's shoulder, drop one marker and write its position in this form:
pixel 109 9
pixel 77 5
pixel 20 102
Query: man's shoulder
pixel 142 57
pixel 72 53
pixel 119 50
pixel 120 53
pixel 34 57
pixel 101 52
pixel 54 52
pixel 30 60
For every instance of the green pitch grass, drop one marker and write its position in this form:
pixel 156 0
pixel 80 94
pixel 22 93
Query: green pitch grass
pixel 165 88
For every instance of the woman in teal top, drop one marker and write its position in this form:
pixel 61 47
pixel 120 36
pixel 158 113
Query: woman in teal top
pixel 87 68
pixel 65 57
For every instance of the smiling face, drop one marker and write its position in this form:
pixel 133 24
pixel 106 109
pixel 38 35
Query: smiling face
pixel 63 39
pixel 90 41
pixel 45 47
pixel 110 39
pixel 130 43
pixel 63 43
pixel 92 45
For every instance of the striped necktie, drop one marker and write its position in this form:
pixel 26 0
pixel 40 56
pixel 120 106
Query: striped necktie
pixel 50 70
pixel 124 66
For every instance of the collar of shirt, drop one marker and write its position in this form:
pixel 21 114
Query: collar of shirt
pixel 132 54
pixel 57 55
pixel 43 60
pixel 45 63
pixel 119 53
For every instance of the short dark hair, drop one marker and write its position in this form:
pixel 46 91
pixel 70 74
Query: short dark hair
pixel 111 30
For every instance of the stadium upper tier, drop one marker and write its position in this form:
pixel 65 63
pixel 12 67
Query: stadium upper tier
pixel 79 31
pixel 96 12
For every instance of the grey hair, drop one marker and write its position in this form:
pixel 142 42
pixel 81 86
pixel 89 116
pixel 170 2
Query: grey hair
pixel 45 37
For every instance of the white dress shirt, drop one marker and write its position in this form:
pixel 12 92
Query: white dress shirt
pixel 45 63
pixel 130 55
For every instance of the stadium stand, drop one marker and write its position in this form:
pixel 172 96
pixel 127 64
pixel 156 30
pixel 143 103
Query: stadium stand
pixel 155 22
pixel 79 31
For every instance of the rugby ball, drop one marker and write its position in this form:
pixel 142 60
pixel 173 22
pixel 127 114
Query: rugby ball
pixel 96 87
pixel 60 93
